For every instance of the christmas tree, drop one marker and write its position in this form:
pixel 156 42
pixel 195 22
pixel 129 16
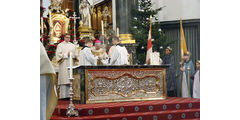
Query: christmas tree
pixel 140 28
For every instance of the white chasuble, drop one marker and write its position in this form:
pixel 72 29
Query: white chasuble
pixel 119 56
pixel 63 60
pixel 196 85
pixel 48 96
pixel 86 57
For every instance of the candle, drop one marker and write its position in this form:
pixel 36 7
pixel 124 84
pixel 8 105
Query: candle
pixel 70 62
pixel 102 27
pixel 117 32
pixel 89 20
pixel 50 17
pixel 42 25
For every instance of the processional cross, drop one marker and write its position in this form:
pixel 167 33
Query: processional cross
pixel 74 30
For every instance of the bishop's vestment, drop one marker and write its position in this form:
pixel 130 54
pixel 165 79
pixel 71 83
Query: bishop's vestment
pixel 101 53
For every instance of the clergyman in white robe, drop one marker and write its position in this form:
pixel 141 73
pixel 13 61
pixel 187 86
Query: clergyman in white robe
pixel 86 57
pixel 63 60
pixel 196 85
pixel 48 95
pixel 119 56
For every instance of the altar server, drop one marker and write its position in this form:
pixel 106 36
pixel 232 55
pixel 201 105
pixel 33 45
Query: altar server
pixel 86 57
pixel 187 69
pixel 63 58
pixel 196 81
pixel 119 55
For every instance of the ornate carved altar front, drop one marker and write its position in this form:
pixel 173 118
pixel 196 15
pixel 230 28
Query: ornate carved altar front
pixel 98 84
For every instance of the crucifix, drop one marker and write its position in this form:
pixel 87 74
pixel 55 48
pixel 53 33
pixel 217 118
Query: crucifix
pixel 74 30
pixel 50 24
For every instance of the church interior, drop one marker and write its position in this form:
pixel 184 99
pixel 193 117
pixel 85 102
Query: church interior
pixel 156 73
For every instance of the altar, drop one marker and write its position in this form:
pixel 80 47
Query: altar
pixel 101 84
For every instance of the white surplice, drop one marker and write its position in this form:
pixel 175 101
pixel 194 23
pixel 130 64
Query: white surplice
pixel 119 56
pixel 196 85
pixel 86 57
pixel 63 60
pixel 185 91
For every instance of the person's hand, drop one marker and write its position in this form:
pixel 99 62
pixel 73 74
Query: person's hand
pixel 68 54
pixel 181 68
pixel 101 57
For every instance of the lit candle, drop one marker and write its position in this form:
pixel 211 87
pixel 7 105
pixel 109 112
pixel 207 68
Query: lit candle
pixel 102 27
pixel 50 17
pixel 42 25
pixel 70 62
pixel 89 20
pixel 117 32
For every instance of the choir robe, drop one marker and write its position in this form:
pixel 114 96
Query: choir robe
pixel 196 85
pixel 86 57
pixel 119 56
pixel 63 60
pixel 111 50
pixel 185 81
pixel 48 94
pixel 101 53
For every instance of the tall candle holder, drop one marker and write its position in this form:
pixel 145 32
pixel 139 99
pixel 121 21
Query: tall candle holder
pixel 71 112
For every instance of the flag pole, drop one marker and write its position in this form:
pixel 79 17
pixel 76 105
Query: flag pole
pixel 149 44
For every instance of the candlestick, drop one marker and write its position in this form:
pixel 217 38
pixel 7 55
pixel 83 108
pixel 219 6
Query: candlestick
pixel 71 112
pixel 102 27
pixel 89 20
pixel 70 62
pixel 117 32
pixel 50 17
pixel 42 26
pixel 50 24
pixel 74 15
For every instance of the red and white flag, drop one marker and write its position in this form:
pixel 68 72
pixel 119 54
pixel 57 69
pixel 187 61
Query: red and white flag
pixel 149 45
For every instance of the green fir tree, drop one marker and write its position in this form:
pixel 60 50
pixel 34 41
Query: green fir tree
pixel 140 30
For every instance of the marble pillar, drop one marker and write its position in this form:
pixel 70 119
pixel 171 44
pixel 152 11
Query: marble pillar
pixel 123 18
pixel 76 9
pixel 123 10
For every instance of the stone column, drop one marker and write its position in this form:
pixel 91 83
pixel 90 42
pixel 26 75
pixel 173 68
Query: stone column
pixel 114 15
pixel 123 10
pixel 76 9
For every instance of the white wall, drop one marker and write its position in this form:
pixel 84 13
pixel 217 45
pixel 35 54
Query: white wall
pixel 176 9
